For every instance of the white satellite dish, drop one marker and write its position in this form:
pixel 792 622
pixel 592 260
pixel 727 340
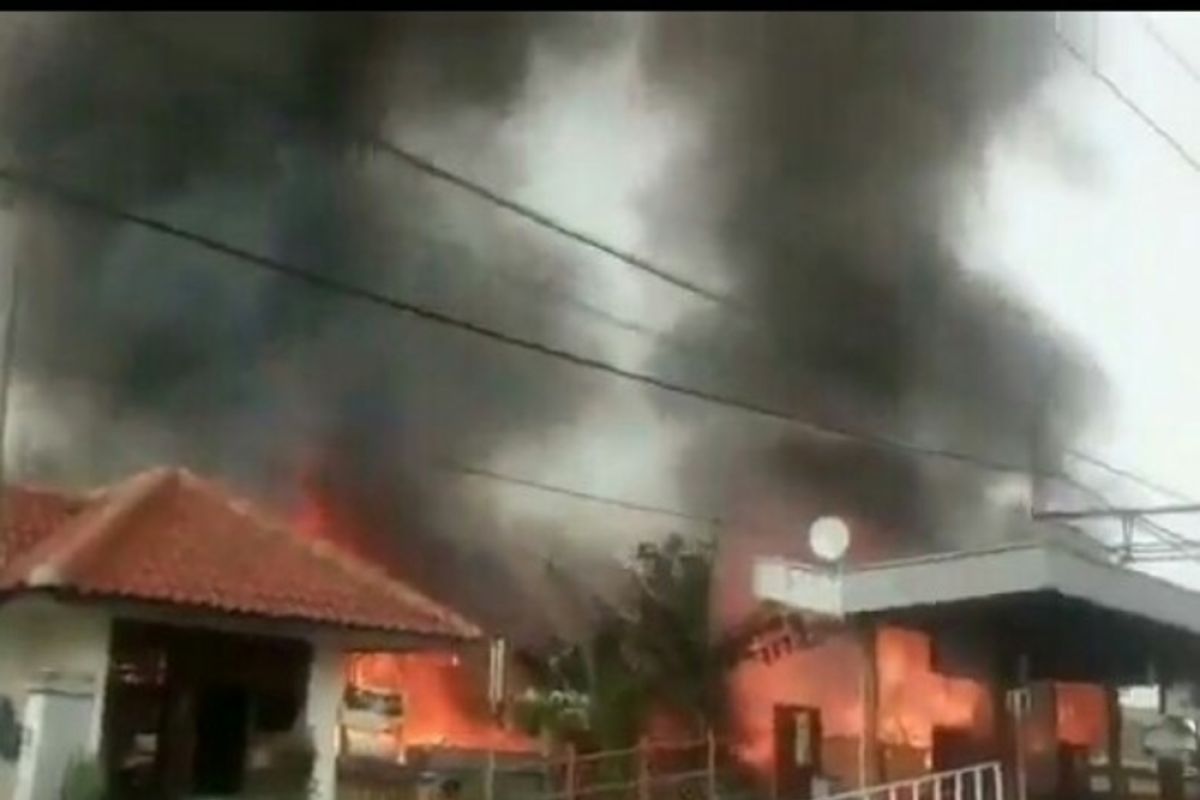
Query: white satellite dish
pixel 829 538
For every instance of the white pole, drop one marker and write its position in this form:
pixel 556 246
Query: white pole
pixel 6 366
pixel 489 776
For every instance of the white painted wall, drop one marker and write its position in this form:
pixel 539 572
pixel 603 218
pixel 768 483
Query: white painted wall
pixel 38 634
pixel 57 715
pixel 325 686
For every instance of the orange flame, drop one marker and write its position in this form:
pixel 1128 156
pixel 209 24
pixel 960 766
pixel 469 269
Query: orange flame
pixel 826 677
pixel 444 698
pixel 913 699
pixel 1082 714
pixel 441 708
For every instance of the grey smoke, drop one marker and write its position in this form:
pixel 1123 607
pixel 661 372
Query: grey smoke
pixel 832 151
pixel 838 149
pixel 180 355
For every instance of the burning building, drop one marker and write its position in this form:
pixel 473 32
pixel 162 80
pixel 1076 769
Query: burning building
pixel 820 186
pixel 187 639
pixel 1013 654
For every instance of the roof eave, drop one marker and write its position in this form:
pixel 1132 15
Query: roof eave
pixel 348 636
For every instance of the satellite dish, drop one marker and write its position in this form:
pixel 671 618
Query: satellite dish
pixel 829 538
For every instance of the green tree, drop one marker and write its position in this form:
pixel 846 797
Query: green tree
pixel 654 656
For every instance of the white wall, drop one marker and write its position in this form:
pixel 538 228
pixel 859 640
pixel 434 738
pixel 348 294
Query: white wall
pixel 37 634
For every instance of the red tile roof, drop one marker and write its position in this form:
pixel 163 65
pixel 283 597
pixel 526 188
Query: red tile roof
pixel 32 514
pixel 170 536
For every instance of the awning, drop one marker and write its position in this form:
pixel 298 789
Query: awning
pixel 1069 614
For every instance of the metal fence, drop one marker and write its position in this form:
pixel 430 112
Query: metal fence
pixel 653 770
pixel 979 782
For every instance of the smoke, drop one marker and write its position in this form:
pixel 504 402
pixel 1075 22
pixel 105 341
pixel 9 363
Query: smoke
pixel 838 151
pixel 248 128
pixel 831 152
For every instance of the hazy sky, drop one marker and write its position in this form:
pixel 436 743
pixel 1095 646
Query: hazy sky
pixel 1095 225
pixel 1109 251
pixel 1084 210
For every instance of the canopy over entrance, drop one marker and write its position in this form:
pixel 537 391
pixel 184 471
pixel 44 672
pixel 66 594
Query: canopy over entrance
pixel 1052 611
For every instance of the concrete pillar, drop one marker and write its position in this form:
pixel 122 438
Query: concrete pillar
pixel 59 712
pixel 868 756
pixel 325 686
pixel 1117 789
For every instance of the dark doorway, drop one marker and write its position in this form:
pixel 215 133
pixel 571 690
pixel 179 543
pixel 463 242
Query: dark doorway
pixel 797 750
pixel 186 705
pixel 222 724
pixel 954 748
pixel 1073 773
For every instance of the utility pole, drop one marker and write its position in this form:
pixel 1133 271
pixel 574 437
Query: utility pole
pixel 7 357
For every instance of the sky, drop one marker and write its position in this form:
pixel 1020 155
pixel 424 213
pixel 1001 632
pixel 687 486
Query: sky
pixel 1107 251
pixel 1094 225
pixel 1083 210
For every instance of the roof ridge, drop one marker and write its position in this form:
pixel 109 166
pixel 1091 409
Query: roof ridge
pixel 79 538
pixel 351 563
pixel 330 552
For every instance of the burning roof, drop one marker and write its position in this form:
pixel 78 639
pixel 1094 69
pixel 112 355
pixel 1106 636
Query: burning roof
pixel 169 536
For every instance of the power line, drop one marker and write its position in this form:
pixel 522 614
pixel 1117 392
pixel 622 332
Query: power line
pixel 542 219
pixel 628 505
pixel 1118 512
pixel 1159 531
pixel 572 301
pixel 1129 103
pixel 83 201
pixel 1170 538
pixel 1130 475
pixel 1174 541
pixel 1170 49
pixel 429 167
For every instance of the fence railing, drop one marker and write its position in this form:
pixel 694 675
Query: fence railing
pixel 699 769
pixel 653 770
pixel 978 782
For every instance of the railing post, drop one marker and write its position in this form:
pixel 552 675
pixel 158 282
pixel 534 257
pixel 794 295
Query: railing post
pixel 643 770
pixel 978 783
pixel 489 775
pixel 570 772
pixel 711 765
pixel 998 777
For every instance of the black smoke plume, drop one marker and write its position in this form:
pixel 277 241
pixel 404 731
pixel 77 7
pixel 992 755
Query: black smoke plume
pixel 837 152
pixel 253 129
pixel 832 152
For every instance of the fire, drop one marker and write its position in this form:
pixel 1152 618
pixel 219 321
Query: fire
pixel 319 516
pixel 913 699
pixel 827 677
pixel 444 693
pixel 442 705
pixel 1082 714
